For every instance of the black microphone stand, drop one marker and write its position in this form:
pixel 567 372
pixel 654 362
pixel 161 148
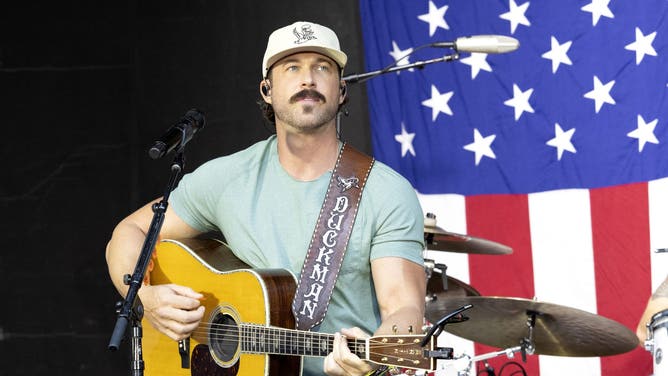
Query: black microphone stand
pixel 130 309
pixel 354 78
pixel 361 77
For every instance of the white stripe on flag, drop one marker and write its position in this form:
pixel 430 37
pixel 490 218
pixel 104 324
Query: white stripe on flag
pixel 658 227
pixel 450 211
pixel 563 264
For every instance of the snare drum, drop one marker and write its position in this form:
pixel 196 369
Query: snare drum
pixel 657 342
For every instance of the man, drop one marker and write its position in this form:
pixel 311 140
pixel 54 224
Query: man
pixel 266 199
pixel 657 303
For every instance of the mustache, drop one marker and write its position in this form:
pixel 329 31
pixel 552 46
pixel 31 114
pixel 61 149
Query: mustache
pixel 307 93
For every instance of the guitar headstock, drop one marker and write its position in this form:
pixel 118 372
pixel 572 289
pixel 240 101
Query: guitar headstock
pixel 402 351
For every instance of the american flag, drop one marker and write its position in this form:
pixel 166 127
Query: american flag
pixel 558 150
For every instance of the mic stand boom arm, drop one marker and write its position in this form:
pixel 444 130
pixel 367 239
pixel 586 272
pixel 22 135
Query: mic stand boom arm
pixel 354 78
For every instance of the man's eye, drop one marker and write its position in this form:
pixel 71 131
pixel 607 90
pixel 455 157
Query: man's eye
pixel 323 68
pixel 291 68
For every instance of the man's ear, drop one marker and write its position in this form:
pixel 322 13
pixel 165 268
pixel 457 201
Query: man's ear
pixel 265 90
pixel 343 90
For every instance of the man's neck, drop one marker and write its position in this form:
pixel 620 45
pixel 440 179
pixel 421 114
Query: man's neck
pixel 307 156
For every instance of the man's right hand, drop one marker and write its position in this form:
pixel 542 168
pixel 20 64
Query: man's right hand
pixel 172 309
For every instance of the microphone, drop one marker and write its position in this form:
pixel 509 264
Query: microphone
pixel 178 134
pixel 488 44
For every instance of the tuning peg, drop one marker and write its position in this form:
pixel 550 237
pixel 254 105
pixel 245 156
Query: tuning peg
pixel 410 329
pixel 394 329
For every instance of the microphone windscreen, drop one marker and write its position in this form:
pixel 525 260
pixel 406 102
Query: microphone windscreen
pixel 489 44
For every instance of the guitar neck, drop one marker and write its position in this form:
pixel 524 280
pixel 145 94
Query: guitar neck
pixel 273 340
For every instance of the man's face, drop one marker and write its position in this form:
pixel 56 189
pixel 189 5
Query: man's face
pixel 305 91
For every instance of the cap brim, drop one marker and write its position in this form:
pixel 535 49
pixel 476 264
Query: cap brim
pixel 339 57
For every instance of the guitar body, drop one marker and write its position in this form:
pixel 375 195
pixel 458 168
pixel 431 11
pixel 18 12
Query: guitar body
pixel 230 287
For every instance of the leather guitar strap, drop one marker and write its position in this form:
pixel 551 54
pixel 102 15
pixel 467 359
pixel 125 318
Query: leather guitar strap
pixel 330 237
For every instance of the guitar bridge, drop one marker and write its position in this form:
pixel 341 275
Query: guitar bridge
pixel 184 352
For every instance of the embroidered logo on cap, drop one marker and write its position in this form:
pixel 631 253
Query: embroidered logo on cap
pixel 305 35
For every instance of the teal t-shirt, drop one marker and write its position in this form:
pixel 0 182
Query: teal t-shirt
pixel 268 218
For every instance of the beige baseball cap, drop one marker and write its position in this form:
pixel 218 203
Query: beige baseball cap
pixel 302 37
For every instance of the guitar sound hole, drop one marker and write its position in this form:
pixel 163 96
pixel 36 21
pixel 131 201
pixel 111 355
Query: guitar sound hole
pixel 223 338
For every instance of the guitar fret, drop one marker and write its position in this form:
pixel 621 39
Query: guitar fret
pixel 308 344
pixel 295 343
pixel 273 340
pixel 252 338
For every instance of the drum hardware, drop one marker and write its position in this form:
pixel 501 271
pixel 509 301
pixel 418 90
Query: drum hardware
pixel 430 266
pixel 525 347
pixel 657 335
pixel 526 344
pixel 441 286
pixel 436 329
pixel 463 364
pixel 437 239
pixel 540 327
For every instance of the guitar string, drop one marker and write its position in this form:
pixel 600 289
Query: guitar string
pixel 302 347
pixel 203 330
pixel 305 350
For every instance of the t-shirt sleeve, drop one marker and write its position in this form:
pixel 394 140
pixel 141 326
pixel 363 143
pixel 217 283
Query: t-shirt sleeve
pixel 400 224
pixel 194 200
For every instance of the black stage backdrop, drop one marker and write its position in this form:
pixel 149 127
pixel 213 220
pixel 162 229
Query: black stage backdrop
pixel 86 86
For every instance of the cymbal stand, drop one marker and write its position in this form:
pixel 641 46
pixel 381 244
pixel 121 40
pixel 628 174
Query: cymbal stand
pixel 526 344
pixel 464 363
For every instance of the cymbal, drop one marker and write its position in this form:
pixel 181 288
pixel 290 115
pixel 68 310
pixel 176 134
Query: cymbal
pixel 438 239
pixel 559 330
pixel 436 292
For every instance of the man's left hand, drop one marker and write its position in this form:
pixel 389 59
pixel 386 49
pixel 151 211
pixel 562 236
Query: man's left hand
pixel 341 361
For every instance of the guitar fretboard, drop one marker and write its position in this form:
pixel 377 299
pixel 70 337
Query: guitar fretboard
pixel 272 340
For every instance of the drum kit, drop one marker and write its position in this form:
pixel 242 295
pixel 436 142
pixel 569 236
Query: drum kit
pixel 514 325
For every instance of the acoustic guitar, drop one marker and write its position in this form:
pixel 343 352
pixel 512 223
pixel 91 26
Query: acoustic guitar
pixel 247 326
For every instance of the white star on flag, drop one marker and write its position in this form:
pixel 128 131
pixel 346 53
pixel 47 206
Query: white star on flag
pixel 642 46
pixel 601 93
pixel 598 8
pixel 406 141
pixel 516 15
pixel 644 133
pixel 481 146
pixel 401 56
pixel 520 101
pixel 435 18
pixel 478 62
pixel 557 53
pixel 438 102
pixel 562 140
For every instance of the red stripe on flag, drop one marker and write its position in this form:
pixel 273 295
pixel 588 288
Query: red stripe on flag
pixel 503 219
pixel 621 239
